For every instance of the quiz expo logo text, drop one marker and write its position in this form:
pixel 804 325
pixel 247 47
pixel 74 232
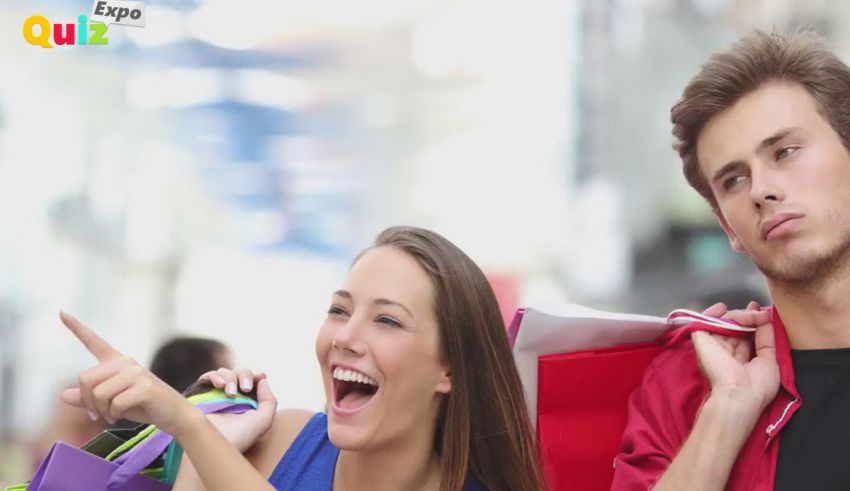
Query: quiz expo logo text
pixel 38 30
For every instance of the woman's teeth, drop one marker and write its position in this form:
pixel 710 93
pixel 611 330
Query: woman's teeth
pixel 352 376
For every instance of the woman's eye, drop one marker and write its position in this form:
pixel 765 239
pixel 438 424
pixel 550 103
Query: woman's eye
pixel 334 310
pixel 389 321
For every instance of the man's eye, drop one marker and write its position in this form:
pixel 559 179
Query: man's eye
pixel 785 152
pixel 730 182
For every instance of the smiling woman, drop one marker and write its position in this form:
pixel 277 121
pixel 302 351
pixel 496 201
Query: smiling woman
pixel 418 317
pixel 422 392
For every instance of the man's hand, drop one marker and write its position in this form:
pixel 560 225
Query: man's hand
pixel 733 373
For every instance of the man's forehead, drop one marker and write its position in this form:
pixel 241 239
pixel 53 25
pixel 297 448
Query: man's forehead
pixel 740 129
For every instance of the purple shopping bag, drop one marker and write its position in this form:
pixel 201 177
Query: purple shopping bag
pixel 70 469
pixel 67 468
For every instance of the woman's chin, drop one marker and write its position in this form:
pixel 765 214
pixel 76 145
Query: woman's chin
pixel 347 437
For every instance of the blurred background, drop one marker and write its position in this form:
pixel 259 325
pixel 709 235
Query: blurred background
pixel 214 172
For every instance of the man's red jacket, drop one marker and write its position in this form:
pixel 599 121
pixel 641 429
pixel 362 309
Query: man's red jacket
pixel 663 410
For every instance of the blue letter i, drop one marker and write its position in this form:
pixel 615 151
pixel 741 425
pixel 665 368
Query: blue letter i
pixel 83 37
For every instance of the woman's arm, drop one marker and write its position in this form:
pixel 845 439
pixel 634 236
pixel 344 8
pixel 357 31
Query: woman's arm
pixel 264 455
pixel 119 387
pixel 218 463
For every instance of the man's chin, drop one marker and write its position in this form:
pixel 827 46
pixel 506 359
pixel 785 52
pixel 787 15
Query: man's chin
pixel 801 269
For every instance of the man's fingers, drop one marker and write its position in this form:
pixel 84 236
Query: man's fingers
pixel 765 343
pixel 716 310
pixel 708 350
pixel 96 345
pixel 726 345
pixel 743 351
pixel 761 317
pixel 748 318
pixel 716 356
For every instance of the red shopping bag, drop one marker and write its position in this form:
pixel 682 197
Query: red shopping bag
pixel 579 368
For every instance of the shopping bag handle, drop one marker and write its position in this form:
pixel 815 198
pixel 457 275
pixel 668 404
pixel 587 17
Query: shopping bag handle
pixel 681 317
pixel 133 462
pixel 687 321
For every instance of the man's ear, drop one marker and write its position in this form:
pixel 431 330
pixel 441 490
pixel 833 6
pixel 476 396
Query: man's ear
pixel 734 241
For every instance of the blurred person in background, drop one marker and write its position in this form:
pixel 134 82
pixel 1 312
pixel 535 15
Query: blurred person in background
pixel 180 361
pixel 422 392
pixel 763 131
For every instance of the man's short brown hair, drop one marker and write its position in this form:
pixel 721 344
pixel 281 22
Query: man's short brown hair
pixel 804 58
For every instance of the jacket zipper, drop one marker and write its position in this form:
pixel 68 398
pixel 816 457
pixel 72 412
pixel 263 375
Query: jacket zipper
pixel 773 426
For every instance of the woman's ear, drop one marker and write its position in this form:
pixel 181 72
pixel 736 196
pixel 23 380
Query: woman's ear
pixel 444 384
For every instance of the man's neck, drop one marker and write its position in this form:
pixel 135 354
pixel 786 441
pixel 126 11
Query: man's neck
pixel 816 316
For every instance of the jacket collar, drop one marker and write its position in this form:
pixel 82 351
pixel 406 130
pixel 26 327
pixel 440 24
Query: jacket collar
pixel 783 355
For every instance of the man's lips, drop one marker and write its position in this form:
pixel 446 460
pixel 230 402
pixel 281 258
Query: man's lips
pixel 775 221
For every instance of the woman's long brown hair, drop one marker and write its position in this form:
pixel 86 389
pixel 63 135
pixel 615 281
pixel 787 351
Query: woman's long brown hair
pixel 483 428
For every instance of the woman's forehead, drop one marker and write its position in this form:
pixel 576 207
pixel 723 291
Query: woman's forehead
pixel 392 274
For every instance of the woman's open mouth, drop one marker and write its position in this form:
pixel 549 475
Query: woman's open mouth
pixel 353 390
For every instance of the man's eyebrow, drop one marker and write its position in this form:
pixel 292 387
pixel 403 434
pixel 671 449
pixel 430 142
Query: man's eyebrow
pixel 769 141
pixel 728 168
